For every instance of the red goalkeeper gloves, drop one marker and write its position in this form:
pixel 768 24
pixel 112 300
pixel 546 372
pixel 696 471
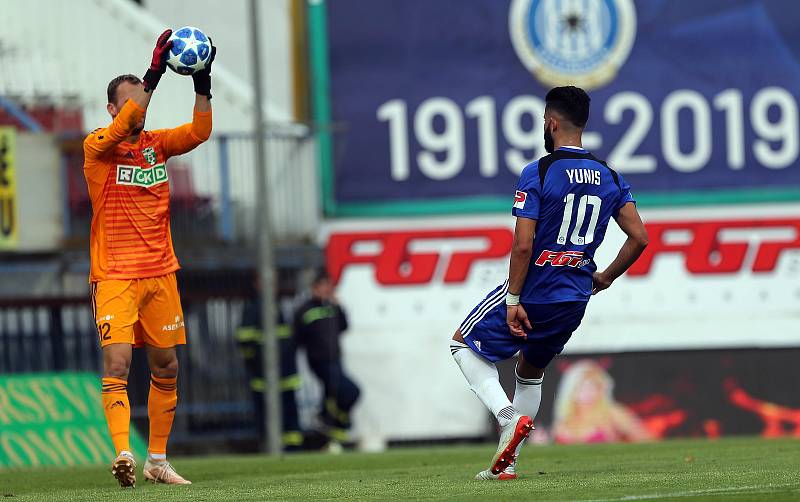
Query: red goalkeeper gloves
pixel 159 63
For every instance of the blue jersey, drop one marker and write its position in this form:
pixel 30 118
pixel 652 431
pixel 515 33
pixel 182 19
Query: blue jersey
pixel 572 195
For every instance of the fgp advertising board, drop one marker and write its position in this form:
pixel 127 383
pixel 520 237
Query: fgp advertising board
pixel 721 279
pixel 442 102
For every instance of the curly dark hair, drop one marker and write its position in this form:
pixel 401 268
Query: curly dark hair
pixel 571 102
pixel 112 86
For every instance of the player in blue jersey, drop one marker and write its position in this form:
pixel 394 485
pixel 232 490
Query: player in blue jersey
pixel 563 204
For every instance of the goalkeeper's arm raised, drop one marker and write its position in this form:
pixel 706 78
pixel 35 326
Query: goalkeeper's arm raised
pixel 182 139
pixel 128 117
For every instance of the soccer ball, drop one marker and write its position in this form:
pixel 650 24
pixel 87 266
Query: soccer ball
pixel 190 50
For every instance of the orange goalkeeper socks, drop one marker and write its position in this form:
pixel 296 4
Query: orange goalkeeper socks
pixel 118 411
pixel 161 403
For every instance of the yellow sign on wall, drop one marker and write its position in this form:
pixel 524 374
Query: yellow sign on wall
pixel 8 189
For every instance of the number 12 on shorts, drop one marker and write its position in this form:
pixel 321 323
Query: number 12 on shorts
pixel 566 221
pixel 103 329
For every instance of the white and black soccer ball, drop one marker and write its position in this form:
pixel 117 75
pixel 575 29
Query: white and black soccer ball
pixel 190 50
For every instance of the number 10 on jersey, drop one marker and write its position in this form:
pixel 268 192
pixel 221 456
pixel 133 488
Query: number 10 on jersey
pixel 566 221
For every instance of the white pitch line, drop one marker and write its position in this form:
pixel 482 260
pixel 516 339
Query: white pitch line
pixel 694 493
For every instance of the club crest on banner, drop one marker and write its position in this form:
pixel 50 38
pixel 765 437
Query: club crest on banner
pixel 577 42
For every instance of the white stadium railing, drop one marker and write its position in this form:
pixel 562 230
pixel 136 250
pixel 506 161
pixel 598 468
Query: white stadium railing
pixel 70 49
pixel 65 52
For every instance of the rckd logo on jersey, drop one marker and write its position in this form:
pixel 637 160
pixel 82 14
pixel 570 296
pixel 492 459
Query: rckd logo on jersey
pixel 707 247
pixel 138 176
pixel 580 43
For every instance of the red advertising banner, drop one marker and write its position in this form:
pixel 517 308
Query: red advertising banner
pixel 656 395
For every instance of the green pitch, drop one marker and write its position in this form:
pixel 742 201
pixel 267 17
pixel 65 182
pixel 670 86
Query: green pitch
pixel 737 469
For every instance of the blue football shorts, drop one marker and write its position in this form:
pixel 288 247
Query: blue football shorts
pixel 486 331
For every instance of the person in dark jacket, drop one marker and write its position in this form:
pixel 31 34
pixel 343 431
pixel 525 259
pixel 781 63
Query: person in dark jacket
pixel 250 340
pixel 318 325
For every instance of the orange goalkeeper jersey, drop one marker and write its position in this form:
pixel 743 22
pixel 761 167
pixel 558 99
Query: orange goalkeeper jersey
pixel 129 189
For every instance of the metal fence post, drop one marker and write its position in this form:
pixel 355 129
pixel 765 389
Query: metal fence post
pixel 271 363
pixel 226 208
pixel 56 333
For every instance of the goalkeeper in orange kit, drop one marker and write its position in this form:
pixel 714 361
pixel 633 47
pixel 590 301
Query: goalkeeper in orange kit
pixel 135 297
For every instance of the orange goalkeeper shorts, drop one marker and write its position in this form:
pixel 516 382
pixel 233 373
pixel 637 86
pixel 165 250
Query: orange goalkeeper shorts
pixel 139 311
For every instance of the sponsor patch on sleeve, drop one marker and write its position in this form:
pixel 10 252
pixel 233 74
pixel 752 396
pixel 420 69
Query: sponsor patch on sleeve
pixel 519 199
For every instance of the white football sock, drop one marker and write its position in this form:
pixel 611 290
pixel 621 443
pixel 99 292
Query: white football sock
pixel 527 396
pixel 484 381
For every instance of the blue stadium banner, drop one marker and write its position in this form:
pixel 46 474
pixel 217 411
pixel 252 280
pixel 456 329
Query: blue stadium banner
pixel 442 102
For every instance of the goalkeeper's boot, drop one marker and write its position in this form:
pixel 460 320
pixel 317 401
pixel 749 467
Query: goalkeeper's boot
pixel 124 469
pixel 510 437
pixel 163 472
pixel 509 473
